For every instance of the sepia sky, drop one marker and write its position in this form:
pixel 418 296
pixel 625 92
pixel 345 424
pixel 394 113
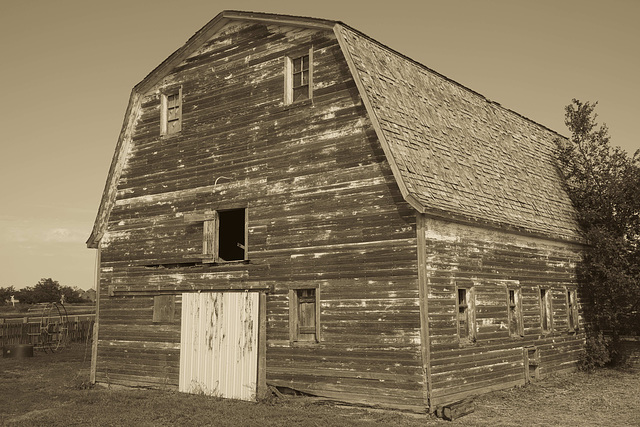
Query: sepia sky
pixel 68 67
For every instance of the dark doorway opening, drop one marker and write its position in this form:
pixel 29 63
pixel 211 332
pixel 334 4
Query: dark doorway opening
pixel 232 235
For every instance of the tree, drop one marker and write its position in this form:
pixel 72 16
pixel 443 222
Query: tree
pixel 46 290
pixel 72 295
pixel 604 185
pixel 49 290
pixel 5 294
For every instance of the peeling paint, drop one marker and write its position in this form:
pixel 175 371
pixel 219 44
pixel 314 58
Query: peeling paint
pixel 434 235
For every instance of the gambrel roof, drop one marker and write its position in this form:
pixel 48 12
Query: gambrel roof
pixel 454 153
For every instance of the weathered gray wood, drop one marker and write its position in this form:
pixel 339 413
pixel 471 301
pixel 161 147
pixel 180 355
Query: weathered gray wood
pixel 492 262
pixel 96 325
pixel 456 410
pixel 424 307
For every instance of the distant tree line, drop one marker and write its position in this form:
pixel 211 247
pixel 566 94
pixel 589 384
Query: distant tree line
pixel 46 290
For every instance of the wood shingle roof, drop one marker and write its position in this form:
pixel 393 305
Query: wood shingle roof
pixel 458 154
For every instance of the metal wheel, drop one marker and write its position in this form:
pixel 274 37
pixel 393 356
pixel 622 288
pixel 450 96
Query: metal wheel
pixel 54 327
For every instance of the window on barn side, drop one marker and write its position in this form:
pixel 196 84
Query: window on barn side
pixel 304 315
pixel 514 304
pixel 572 310
pixel 171 112
pixel 466 316
pixel 546 310
pixel 298 78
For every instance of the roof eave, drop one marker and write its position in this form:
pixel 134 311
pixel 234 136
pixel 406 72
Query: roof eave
pixel 117 162
pixel 568 237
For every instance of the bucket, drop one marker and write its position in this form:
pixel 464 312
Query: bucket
pixel 18 351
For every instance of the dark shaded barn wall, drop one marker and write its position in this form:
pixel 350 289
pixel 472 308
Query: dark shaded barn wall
pixel 491 262
pixel 323 209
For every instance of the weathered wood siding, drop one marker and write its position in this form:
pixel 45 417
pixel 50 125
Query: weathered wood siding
pixel 323 210
pixel 490 261
pixel 132 350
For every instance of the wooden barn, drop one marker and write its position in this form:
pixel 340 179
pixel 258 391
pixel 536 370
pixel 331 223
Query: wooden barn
pixel 293 204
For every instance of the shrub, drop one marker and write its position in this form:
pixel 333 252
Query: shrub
pixel 597 353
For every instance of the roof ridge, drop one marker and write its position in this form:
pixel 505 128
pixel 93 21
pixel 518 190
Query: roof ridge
pixel 250 14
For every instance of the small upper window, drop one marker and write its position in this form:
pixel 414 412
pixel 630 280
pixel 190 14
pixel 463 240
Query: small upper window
pixel 298 78
pixel 171 119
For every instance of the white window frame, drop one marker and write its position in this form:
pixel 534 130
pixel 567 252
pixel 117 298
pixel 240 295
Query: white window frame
pixel 289 76
pixel 165 129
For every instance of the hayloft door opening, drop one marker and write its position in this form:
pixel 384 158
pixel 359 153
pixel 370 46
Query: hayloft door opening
pixel 232 235
pixel 219 344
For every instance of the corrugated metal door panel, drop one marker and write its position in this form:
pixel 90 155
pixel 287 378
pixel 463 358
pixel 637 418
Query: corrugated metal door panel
pixel 219 344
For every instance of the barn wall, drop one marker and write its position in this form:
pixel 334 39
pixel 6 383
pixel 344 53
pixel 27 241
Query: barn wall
pixel 132 349
pixel 490 261
pixel 323 210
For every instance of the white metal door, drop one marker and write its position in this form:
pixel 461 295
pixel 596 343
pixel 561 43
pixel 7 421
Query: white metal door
pixel 219 344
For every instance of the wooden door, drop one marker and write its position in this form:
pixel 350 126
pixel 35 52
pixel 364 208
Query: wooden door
pixel 219 344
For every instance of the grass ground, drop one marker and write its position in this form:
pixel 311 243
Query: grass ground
pixel 53 390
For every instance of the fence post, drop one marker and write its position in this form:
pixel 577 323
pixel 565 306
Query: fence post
pixel 25 325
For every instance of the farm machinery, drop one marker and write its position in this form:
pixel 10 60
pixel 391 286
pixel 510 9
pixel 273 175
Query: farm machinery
pixel 54 328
